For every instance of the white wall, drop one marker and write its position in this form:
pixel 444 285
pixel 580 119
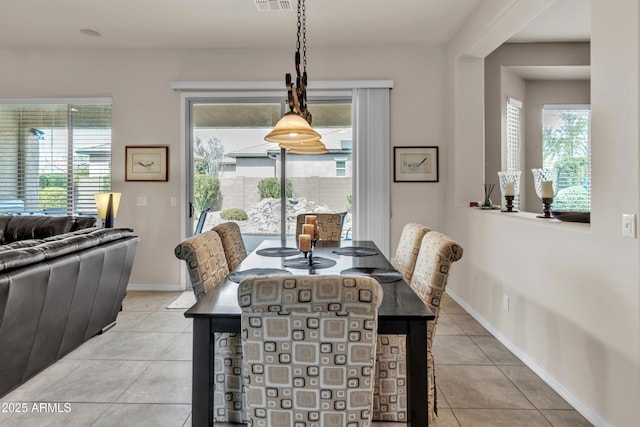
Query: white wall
pixel 575 306
pixel 147 112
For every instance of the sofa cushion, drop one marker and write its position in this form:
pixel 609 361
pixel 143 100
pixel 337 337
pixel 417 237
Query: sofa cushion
pixel 20 244
pixel 36 227
pixel 4 220
pixel 25 252
pixel 81 222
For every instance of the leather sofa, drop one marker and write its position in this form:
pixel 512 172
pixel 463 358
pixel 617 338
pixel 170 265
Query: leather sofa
pixel 62 281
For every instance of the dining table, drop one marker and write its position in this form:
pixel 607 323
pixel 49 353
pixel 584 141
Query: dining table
pixel 401 312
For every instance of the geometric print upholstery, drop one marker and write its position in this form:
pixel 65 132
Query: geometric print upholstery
pixel 329 225
pixel 390 388
pixel 309 349
pixel 390 394
pixel 231 237
pixel 408 246
pixel 206 261
pixel 433 265
pixel 207 266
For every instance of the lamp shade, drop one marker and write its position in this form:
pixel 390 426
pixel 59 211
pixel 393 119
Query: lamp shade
pixel 313 147
pixel 107 204
pixel 292 128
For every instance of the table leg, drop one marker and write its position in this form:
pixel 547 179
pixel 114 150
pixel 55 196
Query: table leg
pixel 203 373
pixel 417 388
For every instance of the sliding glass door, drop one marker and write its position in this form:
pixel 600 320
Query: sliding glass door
pixel 234 175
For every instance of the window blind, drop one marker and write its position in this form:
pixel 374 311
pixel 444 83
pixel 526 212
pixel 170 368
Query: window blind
pixel 514 144
pixel 54 156
pixel 566 146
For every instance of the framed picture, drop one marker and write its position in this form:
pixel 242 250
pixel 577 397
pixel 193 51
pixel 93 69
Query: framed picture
pixel 146 163
pixel 415 164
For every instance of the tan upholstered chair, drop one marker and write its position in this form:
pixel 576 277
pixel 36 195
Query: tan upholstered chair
pixel 309 349
pixel 429 280
pixel 206 261
pixel 231 237
pixel 390 403
pixel 329 225
pixel 207 265
pixel 404 259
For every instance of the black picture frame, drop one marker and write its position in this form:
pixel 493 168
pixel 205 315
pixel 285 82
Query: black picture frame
pixel 415 164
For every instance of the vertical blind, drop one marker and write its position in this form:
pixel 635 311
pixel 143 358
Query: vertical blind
pixel 54 156
pixel 514 144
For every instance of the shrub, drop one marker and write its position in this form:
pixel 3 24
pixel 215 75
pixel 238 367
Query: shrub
pixel 205 191
pixel 270 187
pixel 234 214
pixel 53 180
pixel 574 198
pixel 52 197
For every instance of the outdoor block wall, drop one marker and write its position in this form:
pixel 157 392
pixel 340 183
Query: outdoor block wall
pixel 242 192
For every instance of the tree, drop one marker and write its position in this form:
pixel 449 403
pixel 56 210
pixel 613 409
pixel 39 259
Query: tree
pixel 570 139
pixel 207 156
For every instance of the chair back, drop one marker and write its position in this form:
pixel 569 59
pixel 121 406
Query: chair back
pixel 429 280
pixel 329 225
pixel 405 258
pixel 206 261
pixel 308 347
pixel 234 249
pixel 437 253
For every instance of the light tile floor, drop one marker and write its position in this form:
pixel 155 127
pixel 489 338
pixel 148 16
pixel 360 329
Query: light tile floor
pixel 139 374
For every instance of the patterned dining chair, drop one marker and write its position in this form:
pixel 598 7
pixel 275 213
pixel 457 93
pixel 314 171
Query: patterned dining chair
pixel 329 225
pixel 404 259
pixel 390 403
pixel 234 249
pixel 207 264
pixel 433 264
pixel 309 349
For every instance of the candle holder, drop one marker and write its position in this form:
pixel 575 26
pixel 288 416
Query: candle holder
pixel 510 188
pixel 546 184
pixel 546 210
pixel 509 200
pixel 308 255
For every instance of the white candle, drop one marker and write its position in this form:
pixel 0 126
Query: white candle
pixel 547 189
pixel 509 188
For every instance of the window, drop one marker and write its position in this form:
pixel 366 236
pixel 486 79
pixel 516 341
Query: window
pixel 566 146
pixel 54 156
pixel 341 167
pixel 514 144
pixel 236 174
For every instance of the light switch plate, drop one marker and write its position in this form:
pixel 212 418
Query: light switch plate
pixel 629 226
pixel 141 200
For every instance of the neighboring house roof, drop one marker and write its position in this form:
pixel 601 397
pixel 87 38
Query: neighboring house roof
pixel 269 149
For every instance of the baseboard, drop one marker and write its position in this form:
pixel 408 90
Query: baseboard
pixel 585 410
pixel 153 287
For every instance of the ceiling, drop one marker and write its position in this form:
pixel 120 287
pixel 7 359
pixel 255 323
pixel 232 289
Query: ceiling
pixel 239 23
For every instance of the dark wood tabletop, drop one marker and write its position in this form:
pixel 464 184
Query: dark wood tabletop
pixel 401 312
pixel 399 299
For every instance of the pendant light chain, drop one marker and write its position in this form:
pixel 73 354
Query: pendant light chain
pixel 304 37
pixel 299 25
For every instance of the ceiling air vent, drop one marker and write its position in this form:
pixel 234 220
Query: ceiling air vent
pixel 274 5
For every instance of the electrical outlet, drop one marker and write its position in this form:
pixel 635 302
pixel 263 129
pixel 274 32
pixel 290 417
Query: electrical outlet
pixel 505 302
pixel 629 226
pixel 173 201
pixel 142 200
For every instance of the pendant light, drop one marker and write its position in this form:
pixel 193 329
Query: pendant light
pixel 295 126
